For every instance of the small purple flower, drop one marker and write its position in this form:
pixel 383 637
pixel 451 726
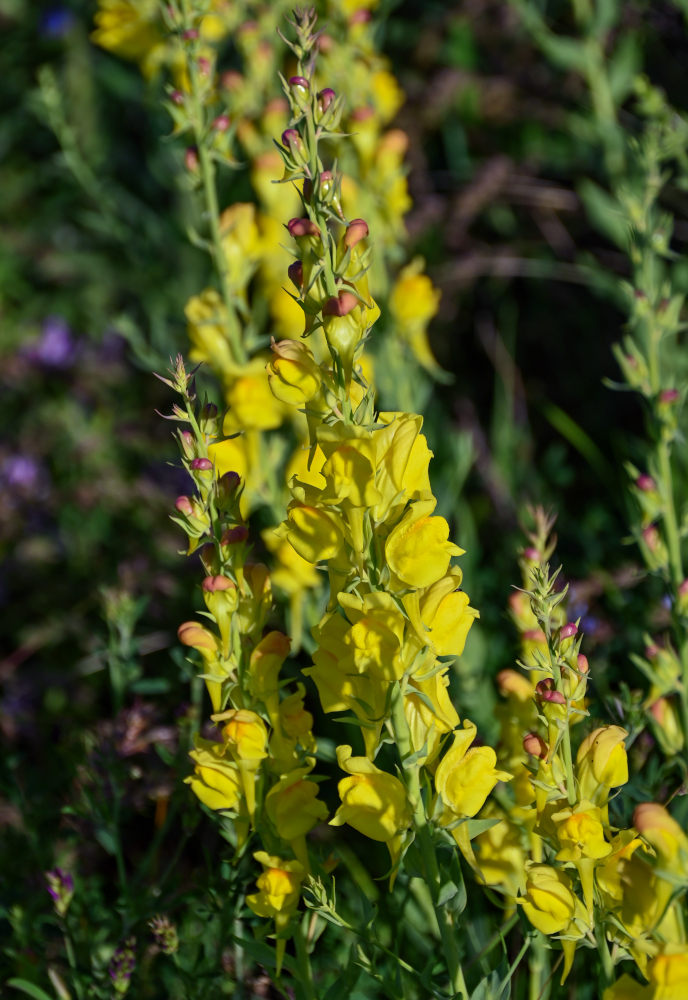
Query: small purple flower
pixel 55 348
pixel 122 965
pixel 60 885
pixel 20 472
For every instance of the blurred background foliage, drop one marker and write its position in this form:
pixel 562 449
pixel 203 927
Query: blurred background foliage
pixel 506 165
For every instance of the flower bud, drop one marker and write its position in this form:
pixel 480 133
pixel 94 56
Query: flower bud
pixel 340 305
pixel 583 665
pixel 356 231
pixel 201 465
pixel 188 443
pixel 190 35
pixel 299 228
pixel 164 934
pixel 568 631
pixel 204 66
pixel 300 91
pixel 667 726
pixel 184 505
pixel 328 110
pixel 547 692
pixel 60 885
pixel 295 272
pixel 292 141
pixel 177 98
pixel 646 484
pixel 235 536
pixel 226 490
pixel 668 396
pixel 535 746
pixel 191 159
pixel 221 123
pixel 122 965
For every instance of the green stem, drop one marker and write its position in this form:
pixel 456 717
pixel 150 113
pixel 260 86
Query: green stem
pixel 426 845
pixel 71 957
pixel 605 957
pixel 673 535
pixel 303 964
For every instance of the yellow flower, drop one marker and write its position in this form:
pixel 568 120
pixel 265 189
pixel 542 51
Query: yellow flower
pixel 601 763
pixel 314 534
pixel 293 375
pixel 131 29
pixel 667 974
pixel 501 857
pixel 278 896
pixel 581 836
pixel 245 734
pixel 293 805
pixel 373 802
pixel 252 405
pixel 215 781
pixel 413 302
pixel 465 777
pixel 663 833
pixel 241 243
pixel 418 549
pixel 266 662
pixel 428 724
pixel 207 330
pixel 552 907
pixel 402 460
pixel 441 615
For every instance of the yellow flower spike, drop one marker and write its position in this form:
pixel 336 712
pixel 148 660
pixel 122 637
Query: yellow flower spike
pixel 373 802
pixel 465 777
pixel 266 662
pixel 315 535
pixel 501 858
pixel 548 901
pixel 350 474
pixel 294 808
pixel 418 549
pixel 403 458
pixel 663 833
pixel 278 896
pixel 601 763
pixel 293 375
pixel 581 836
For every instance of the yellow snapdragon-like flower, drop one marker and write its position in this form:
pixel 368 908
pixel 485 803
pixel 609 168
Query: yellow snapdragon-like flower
pixel 241 244
pixel 294 808
pixel 553 908
pixel 442 615
pixel 278 896
pixel 466 775
pixel 216 781
pixel 293 375
pixel 373 802
pixel 602 763
pixel 580 834
pixel 413 302
pixel 667 974
pixel 418 549
pixel 663 833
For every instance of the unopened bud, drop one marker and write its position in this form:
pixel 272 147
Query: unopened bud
pixel 184 505
pixel 531 554
pixel 356 231
pixel 547 692
pixel 231 80
pixel 325 98
pixel 668 396
pixel 646 483
pixel 190 35
pixel 340 305
pixel 300 91
pixel 583 665
pixel 568 631
pixel 236 535
pixel 535 746
pixel 302 227
pixel 204 66
pixel 164 934
pixel 295 272
pixel 177 97
pixel 191 159
pixel 215 584
pixel 292 141
pixel 651 537
pixel 60 885
pixel 188 443
pixel 201 465
pixel 360 16
pixel 226 488
pixel 221 123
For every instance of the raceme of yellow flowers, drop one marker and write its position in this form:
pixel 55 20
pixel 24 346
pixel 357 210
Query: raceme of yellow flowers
pixel 361 508
pixel 554 852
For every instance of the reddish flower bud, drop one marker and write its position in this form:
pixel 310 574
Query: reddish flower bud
pixel 204 66
pixel 583 665
pixel 362 114
pixel 295 272
pixel 221 123
pixel 325 98
pixel 302 227
pixel 231 80
pixel 340 305
pixel 568 631
pixel 299 81
pixel 188 443
pixel 356 231
pixel 201 464
pixel 361 16
pixel 183 505
pixel 668 396
pixel 177 97
pixel 292 140
pixel 190 35
pixel 646 483
pixel 233 536
pixel 651 537
pixel 535 746
pixel 547 692
pixel 191 159
pixel 531 554
pixel 683 589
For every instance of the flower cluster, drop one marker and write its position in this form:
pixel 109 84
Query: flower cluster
pixel 554 851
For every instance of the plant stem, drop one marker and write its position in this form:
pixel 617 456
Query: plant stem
pixel 305 983
pixel 427 847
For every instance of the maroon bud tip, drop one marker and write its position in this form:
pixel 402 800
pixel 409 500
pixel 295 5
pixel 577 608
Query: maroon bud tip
pixel 568 631
pixel 201 464
pixel 191 159
pixel 299 81
pixel 221 123
pixel 583 665
pixel 177 97
pixel 190 35
pixel 290 137
pixel 295 272
pixel 229 480
pixel 326 97
pixel 531 554
pixel 645 483
pixel 209 411
pixel 639 294
pixel 668 396
pixel 183 505
pixel 231 79
pixel 651 651
pixel 233 536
